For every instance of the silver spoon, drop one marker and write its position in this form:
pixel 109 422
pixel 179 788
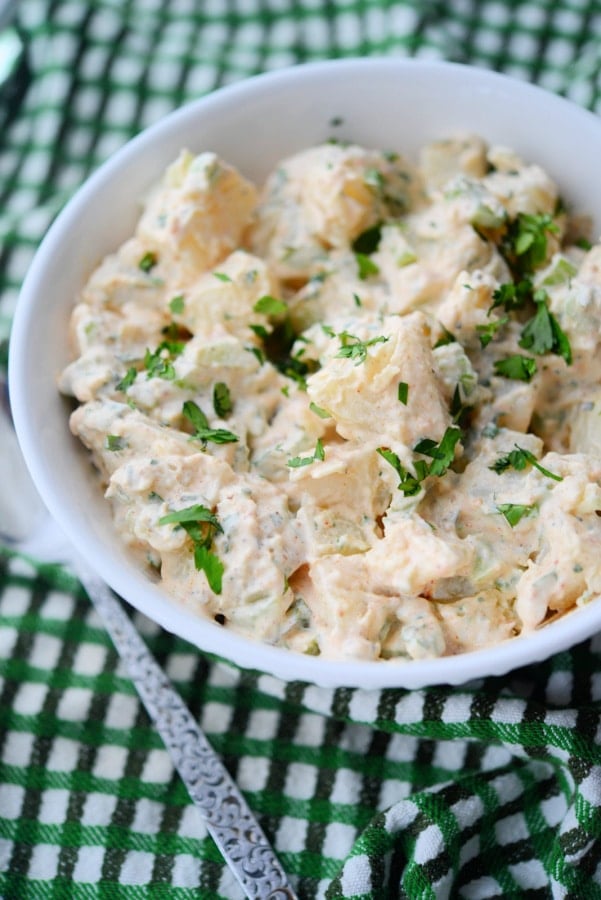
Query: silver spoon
pixel 227 816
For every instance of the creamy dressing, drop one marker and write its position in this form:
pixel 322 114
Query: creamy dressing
pixel 355 412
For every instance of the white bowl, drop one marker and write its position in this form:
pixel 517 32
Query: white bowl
pixel 383 104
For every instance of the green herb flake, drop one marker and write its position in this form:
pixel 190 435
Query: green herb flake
pixel 202 431
pixel 515 512
pixel 176 304
pixel 409 483
pixel 406 259
pixel 366 266
pixel 525 244
pixel 518 459
pixel 208 562
pixel 115 442
pixel 368 241
pixel 446 338
pixel 127 380
pixel 517 367
pixel 300 461
pixel 403 392
pixel 512 295
pixel 442 453
pixel 374 179
pixel 222 276
pixel 561 273
pixel 260 331
pixel 159 363
pixel 258 353
pixel 543 333
pixel 222 400
pixel 270 306
pixel 356 349
pixel 201 525
pixel 148 261
pixel 487 332
pixel 319 411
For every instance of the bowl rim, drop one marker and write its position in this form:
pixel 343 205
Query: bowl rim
pixel 243 651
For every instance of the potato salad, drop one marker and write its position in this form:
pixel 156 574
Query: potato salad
pixel 355 411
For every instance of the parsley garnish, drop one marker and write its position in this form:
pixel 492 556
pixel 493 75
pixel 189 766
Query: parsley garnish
pixel 518 459
pixel 201 525
pixel 176 304
pixel 525 244
pixel 318 454
pixel 512 295
pixel 356 349
pixel 442 453
pixel 366 266
pixel 368 241
pixel 159 362
pixel 543 333
pixel 487 332
pixel 259 353
pixel 127 380
pixel 319 411
pixel 514 512
pixel 115 442
pixel 222 276
pixel 270 306
pixel 518 367
pixel 409 484
pixel 222 400
pixel 202 431
pixel 446 338
pixel 403 392
pixel 148 261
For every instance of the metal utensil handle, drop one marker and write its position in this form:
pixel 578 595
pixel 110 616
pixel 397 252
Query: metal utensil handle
pixel 229 820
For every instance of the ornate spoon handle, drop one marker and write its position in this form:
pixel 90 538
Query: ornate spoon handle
pixel 229 820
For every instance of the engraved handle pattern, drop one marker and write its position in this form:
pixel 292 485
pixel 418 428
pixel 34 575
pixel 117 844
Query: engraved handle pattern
pixel 229 820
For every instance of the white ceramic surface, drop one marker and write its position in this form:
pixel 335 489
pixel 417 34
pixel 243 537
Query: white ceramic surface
pixel 390 104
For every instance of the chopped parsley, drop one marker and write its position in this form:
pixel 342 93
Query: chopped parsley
pixel 159 363
pixel 487 332
pixel 368 241
pixel 403 392
pixel 354 348
pixel 525 243
pixel 202 431
pixel 543 333
pixel 115 442
pixel 222 400
pixel 518 459
pixel 366 266
pixel 176 304
pixel 442 453
pixel 406 258
pixel 515 512
pixel 222 276
pixel 409 483
pixel 270 306
pixel 148 261
pixel 201 525
pixel 318 454
pixel 447 337
pixel 517 367
pixel 512 295
pixel 127 380
pixel 319 411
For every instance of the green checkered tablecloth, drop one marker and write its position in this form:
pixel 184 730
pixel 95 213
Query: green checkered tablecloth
pixel 488 790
